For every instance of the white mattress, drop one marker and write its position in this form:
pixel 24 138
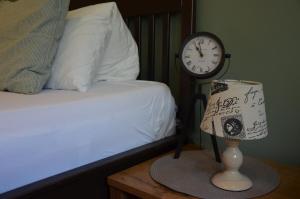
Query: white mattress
pixel 55 131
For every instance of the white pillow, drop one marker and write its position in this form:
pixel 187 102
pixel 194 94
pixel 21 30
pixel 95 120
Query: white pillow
pixel 81 47
pixel 120 60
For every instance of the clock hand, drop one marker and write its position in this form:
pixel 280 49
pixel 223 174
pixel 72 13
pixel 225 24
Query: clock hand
pixel 199 49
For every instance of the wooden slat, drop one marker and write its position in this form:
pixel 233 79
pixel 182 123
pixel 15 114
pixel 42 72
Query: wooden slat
pixel 126 20
pixel 138 37
pixel 151 51
pixel 186 81
pixel 138 31
pixel 135 7
pixel 166 49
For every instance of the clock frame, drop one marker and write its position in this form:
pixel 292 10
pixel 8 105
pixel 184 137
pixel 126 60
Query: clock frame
pixel 213 38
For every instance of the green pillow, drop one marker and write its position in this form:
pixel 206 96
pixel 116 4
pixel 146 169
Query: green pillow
pixel 29 35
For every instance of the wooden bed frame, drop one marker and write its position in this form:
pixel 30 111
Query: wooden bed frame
pixel 89 181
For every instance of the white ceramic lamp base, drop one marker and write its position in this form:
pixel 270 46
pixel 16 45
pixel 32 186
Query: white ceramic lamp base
pixel 231 179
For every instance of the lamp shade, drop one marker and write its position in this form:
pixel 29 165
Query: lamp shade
pixel 235 110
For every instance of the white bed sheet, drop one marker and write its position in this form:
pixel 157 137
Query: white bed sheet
pixel 55 131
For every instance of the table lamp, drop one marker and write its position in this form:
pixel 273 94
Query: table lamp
pixel 235 111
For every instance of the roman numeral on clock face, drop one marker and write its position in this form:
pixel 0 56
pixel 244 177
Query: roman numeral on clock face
pixel 194 68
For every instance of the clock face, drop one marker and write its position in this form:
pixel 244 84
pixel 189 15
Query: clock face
pixel 202 55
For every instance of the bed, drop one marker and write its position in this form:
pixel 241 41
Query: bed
pixel 70 152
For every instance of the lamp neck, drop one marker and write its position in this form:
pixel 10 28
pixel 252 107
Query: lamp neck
pixel 232 142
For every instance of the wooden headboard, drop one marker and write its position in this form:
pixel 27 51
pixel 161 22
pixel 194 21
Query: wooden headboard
pixel 136 13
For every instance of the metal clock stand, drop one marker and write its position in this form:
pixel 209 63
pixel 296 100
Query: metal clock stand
pixel 183 135
pixel 202 56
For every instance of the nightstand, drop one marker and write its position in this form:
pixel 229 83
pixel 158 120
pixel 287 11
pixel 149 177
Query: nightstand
pixel 136 182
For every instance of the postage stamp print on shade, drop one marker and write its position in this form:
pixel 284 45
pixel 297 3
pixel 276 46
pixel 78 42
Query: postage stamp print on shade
pixel 233 126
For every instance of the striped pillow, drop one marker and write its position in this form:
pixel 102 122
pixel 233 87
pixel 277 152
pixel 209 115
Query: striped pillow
pixel 29 37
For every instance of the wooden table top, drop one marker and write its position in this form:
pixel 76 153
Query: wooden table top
pixel 137 181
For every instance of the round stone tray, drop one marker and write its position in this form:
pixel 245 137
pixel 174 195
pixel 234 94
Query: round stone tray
pixel 191 174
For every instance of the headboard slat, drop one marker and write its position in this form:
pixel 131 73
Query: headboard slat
pixel 151 48
pixel 139 33
pixel 135 26
pixel 166 48
pixel 186 82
